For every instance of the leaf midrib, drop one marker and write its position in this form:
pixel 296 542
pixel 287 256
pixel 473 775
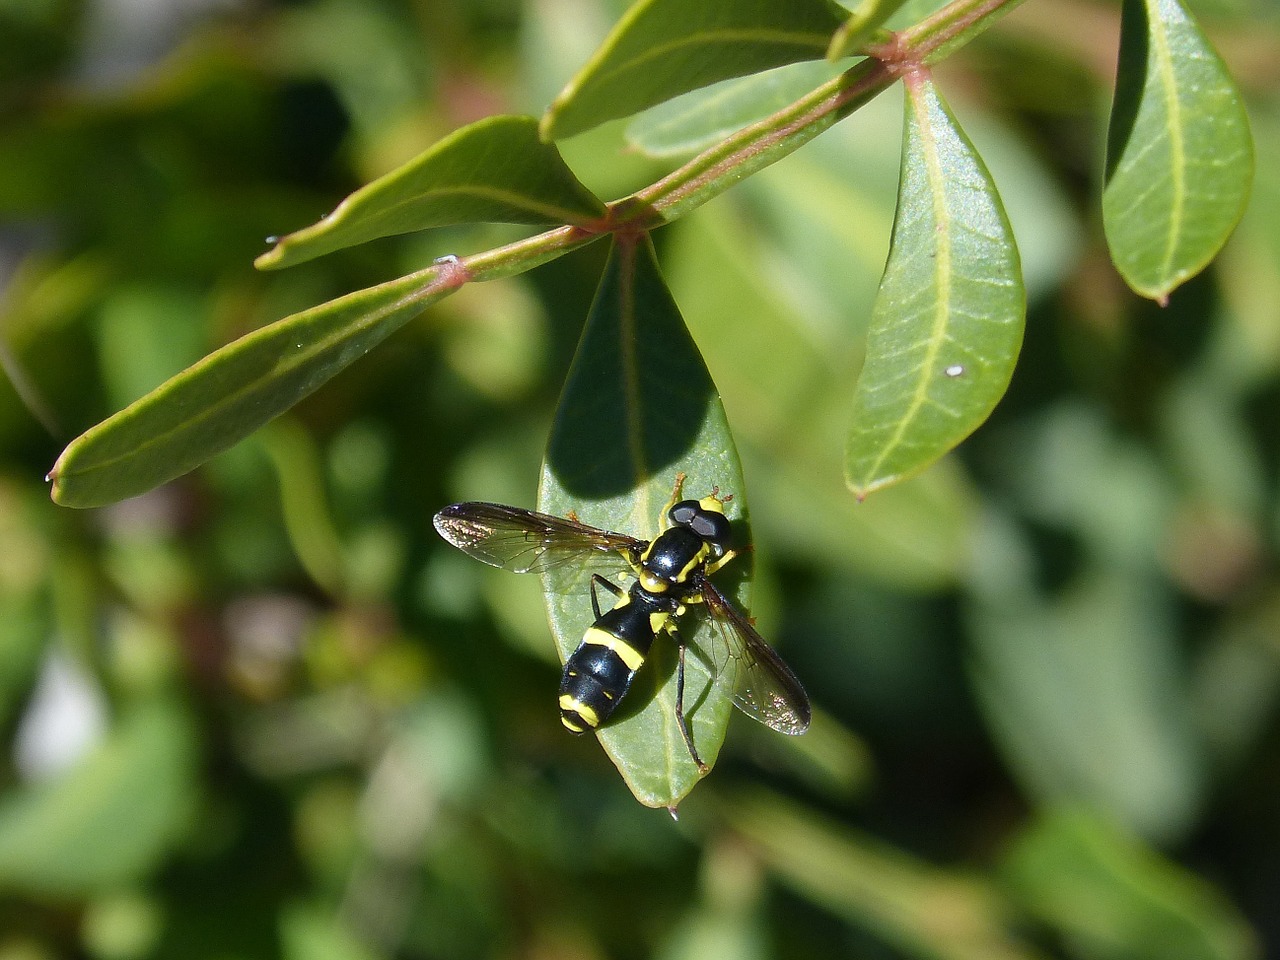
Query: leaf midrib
pixel 942 272
pixel 1159 39
pixel 315 348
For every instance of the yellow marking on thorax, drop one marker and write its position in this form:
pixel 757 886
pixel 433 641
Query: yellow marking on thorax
pixel 652 583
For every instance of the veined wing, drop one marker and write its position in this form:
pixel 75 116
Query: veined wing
pixel 525 541
pixel 762 685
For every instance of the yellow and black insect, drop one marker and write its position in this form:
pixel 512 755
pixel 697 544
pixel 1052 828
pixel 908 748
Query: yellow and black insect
pixel 672 572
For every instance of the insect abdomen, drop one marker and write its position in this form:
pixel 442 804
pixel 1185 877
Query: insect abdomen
pixel 598 673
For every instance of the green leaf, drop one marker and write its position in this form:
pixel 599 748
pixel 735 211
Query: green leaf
pixel 700 118
pixel 310 932
pixel 813 244
pixel 1115 897
pixel 663 48
pixel 916 908
pixel 234 391
pixel 495 170
pixel 1179 150
pixel 1084 697
pixel 1084 687
pixel 111 818
pixel 639 407
pixel 948 318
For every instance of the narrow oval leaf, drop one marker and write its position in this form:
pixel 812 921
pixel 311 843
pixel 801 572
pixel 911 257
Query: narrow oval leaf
pixel 493 171
pixel 948 318
pixel 639 407
pixel 663 48
pixel 1179 151
pixel 235 390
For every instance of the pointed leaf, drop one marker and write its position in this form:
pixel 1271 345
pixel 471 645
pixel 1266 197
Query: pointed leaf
pixel 233 391
pixel 1179 150
pixel 493 171
pixel 948 318
pixel 663 48
pixel 638 407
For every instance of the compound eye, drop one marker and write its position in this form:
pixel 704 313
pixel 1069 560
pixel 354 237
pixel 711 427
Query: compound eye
pixel 713 528
pixel 683 513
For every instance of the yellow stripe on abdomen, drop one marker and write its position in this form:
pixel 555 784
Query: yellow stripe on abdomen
pixel 628 654
pixel 571 707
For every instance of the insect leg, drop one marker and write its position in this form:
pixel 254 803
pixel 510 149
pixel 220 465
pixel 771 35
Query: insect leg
pixel 714 565
pixel 611 586
pixel 663 521
pixel 680 721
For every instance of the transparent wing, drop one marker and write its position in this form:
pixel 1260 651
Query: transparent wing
pixel 763 687
pixel 524 541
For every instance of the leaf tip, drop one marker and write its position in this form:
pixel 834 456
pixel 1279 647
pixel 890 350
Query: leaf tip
pixel 269 260
pixel 58 491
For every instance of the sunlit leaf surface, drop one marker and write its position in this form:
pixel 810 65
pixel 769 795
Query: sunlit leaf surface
pixel 663 48
pixel 494 171
pixel 1179 151
pixel 948 319
pixel 232 392
pixel 638 407
pixel 697 119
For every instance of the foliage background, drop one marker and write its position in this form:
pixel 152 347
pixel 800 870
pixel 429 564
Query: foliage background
pixel 265 712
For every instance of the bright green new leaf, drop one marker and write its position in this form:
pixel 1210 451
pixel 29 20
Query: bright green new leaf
pixel 948 319
pixel 107 821
pixel 663 48
pixel 639 407
pixel 1179 150
pixel 234 391
pixel 494 171
pixel 1112 895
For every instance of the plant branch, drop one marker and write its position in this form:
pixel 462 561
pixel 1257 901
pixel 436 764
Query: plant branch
pixel 768 140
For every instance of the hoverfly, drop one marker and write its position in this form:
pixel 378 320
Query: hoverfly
pixel 672 572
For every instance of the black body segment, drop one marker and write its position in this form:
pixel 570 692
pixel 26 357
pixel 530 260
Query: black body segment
pixel 599 672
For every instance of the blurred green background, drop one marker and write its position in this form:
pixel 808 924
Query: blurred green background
pixel 266 712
